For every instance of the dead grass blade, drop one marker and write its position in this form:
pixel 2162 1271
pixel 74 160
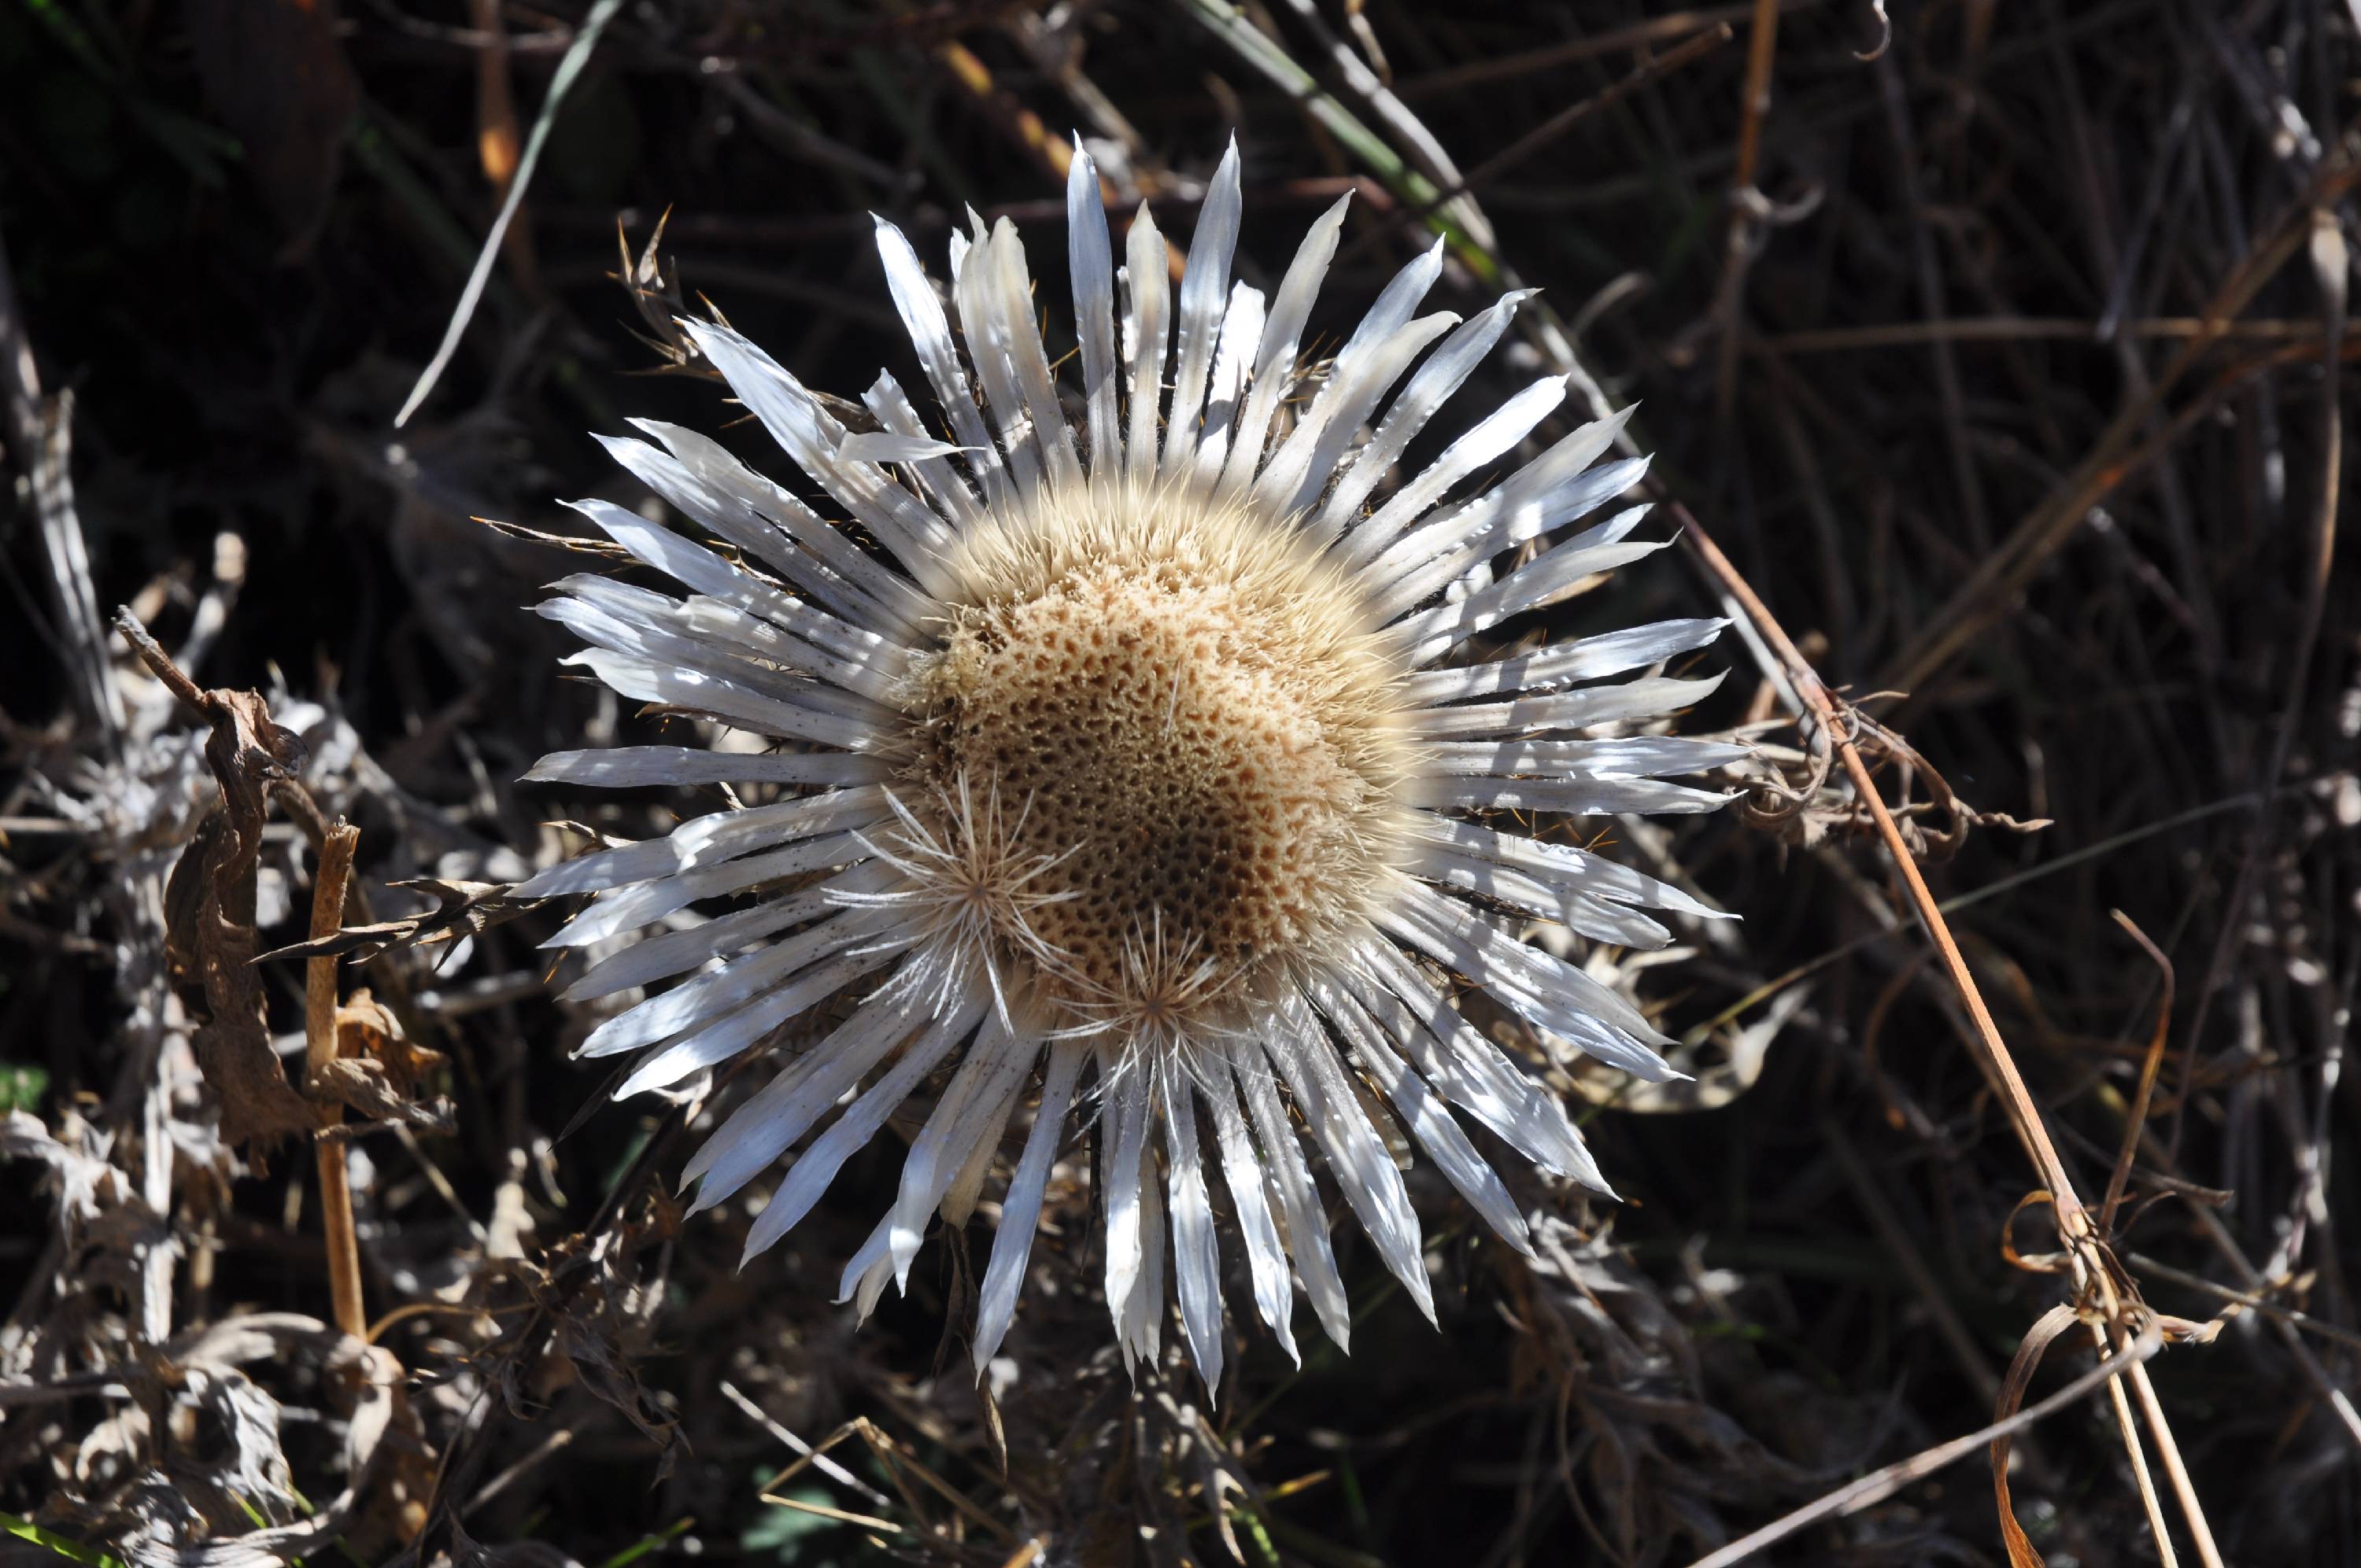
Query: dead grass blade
pixel 568 68
pixel 2147 1090
pixel 2003 571
pixel 1880 1484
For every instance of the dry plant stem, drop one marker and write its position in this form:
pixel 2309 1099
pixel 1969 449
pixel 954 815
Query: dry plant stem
pixel 2085 1245
pixel 328 888
pixel 1648 71
pixel 1880 1484
pixel 2183 1489
pixel 1993 1054
pixel 2146 1091
pixel 2114 1314
pixel 2073 1219
pixel 2330 264
pixel 1762 49
pixel 1987 594
pixel 2129 1430
pixel 2235 1298
pixel 826 1466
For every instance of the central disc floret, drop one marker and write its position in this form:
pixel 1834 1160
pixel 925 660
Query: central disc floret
pixel 1186 730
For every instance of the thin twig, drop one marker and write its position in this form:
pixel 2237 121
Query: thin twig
pixel 1880 1484
pixel 334 876
pixel 1694 48
pixel 1992 587
pixel 2147 1090
pixel 1737 241
pixel 1992 1054
pixel 2090 1262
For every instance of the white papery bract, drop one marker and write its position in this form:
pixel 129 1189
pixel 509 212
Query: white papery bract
pixel 1138 747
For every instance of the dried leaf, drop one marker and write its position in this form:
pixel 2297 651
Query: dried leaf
pixel 362 1085
pixel 209 908
pixel 465 909
pixel 377 1070
pixel 86 1184
pixel 607 1373
pixel 2047 1327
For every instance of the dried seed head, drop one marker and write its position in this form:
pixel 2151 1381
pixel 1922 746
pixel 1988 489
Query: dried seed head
pixel 1145 755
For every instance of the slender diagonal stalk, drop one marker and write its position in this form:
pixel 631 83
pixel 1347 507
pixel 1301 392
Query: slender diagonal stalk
pixel 2089 1260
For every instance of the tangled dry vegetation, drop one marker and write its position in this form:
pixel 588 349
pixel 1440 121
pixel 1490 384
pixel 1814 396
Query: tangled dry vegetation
pixel 1996 376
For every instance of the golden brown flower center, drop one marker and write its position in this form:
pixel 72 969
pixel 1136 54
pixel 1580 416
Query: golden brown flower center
pixel 1204 768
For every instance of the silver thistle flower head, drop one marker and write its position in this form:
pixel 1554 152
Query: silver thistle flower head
pixel 1147 762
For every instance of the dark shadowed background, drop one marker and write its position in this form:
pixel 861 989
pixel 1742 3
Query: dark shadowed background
pixel 2005 366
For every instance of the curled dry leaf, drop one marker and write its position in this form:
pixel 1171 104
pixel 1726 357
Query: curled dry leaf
pixel 209 901
pixel 2051 1323
pixel 379 1071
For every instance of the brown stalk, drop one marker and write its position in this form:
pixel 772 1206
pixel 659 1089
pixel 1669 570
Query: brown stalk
pixel 2146 1091
pixel 1762 49
pixel 2089 1262
pixel 500 147
pixel 328 890
pixel 2141 1477
pixel 1824 714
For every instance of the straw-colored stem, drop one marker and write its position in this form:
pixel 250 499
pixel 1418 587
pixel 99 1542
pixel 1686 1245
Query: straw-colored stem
pixel 320 1039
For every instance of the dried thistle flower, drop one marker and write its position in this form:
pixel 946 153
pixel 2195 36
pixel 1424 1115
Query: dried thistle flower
pixel 1139 755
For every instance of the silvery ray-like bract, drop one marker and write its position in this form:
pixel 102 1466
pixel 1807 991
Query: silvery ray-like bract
pixel 1137 765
